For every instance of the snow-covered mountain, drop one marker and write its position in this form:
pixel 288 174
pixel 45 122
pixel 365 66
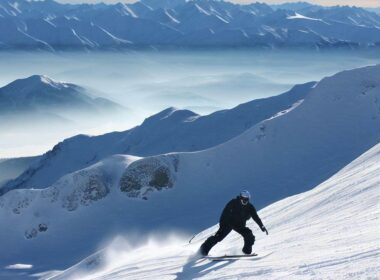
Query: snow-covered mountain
pixel 38 99
pixel 41 94
pixel 291 152
pixel 50 25
pixel 171 130
pixel 336 223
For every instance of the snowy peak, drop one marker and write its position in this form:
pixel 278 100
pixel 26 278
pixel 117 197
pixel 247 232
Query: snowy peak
pixel 24 91
pixel 171 114
pixel 35 82
pixel 296 6
pixel 39 96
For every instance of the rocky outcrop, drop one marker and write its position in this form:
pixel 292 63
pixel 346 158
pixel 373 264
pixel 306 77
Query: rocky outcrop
pixel 148 175
pixel 89 188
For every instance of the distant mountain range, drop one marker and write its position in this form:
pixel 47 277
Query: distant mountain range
pixel 50 25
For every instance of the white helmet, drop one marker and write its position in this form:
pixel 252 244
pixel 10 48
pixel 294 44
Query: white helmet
pixel 245 196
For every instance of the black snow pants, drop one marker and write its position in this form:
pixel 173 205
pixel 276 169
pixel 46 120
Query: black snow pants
pixel 224 230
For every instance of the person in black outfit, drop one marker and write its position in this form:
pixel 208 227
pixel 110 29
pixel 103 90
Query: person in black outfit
pixel 234 217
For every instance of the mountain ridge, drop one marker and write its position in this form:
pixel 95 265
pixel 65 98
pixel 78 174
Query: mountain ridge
pixel 181 24
pixel 171 130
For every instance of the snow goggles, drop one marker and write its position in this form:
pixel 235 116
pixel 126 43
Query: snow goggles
pixel 244 200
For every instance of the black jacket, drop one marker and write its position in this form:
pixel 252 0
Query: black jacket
pixel 235 214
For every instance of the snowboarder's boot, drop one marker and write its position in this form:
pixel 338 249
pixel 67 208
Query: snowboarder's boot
pixel 202 251
pixel 247 250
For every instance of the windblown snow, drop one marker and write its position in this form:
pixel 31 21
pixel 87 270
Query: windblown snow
pixel 330 232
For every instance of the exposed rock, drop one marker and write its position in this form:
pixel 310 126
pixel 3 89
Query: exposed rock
pixel 149 174
pixel 42 227
pixel 89 188
pixel 51 194
pixel 32 233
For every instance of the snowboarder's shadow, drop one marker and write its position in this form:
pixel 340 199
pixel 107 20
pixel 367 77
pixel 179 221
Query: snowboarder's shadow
pixel 193 268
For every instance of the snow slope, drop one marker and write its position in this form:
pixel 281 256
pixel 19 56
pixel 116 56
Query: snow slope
pixel 290 153
pixel 286 154
pixel 330 232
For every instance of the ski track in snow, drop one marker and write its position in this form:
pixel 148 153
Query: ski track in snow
pixel 330 232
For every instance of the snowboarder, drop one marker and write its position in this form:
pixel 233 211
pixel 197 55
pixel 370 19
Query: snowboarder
pixel 234 217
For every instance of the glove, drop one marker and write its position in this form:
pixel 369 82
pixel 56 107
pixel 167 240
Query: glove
pixel 263 229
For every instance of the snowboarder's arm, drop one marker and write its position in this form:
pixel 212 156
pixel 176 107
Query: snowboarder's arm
pixel 256 217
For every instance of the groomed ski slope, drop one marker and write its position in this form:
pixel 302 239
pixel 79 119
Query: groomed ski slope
pixel 330 232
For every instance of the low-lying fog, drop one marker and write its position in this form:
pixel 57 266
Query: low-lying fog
pixel 147 82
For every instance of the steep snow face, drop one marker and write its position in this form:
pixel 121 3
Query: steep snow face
pixel 337 121
pixel 171 130
pixel 328 232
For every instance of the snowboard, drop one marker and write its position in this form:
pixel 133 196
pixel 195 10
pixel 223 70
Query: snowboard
pixel 228 257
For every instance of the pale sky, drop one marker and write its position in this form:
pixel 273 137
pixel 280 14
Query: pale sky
pixel 360 3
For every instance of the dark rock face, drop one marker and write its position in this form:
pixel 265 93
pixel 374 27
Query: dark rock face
pixel 90 188
pixel 160 178
pixel 42 227
pixel 24 203
pixel 149 174
pixel 32 233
